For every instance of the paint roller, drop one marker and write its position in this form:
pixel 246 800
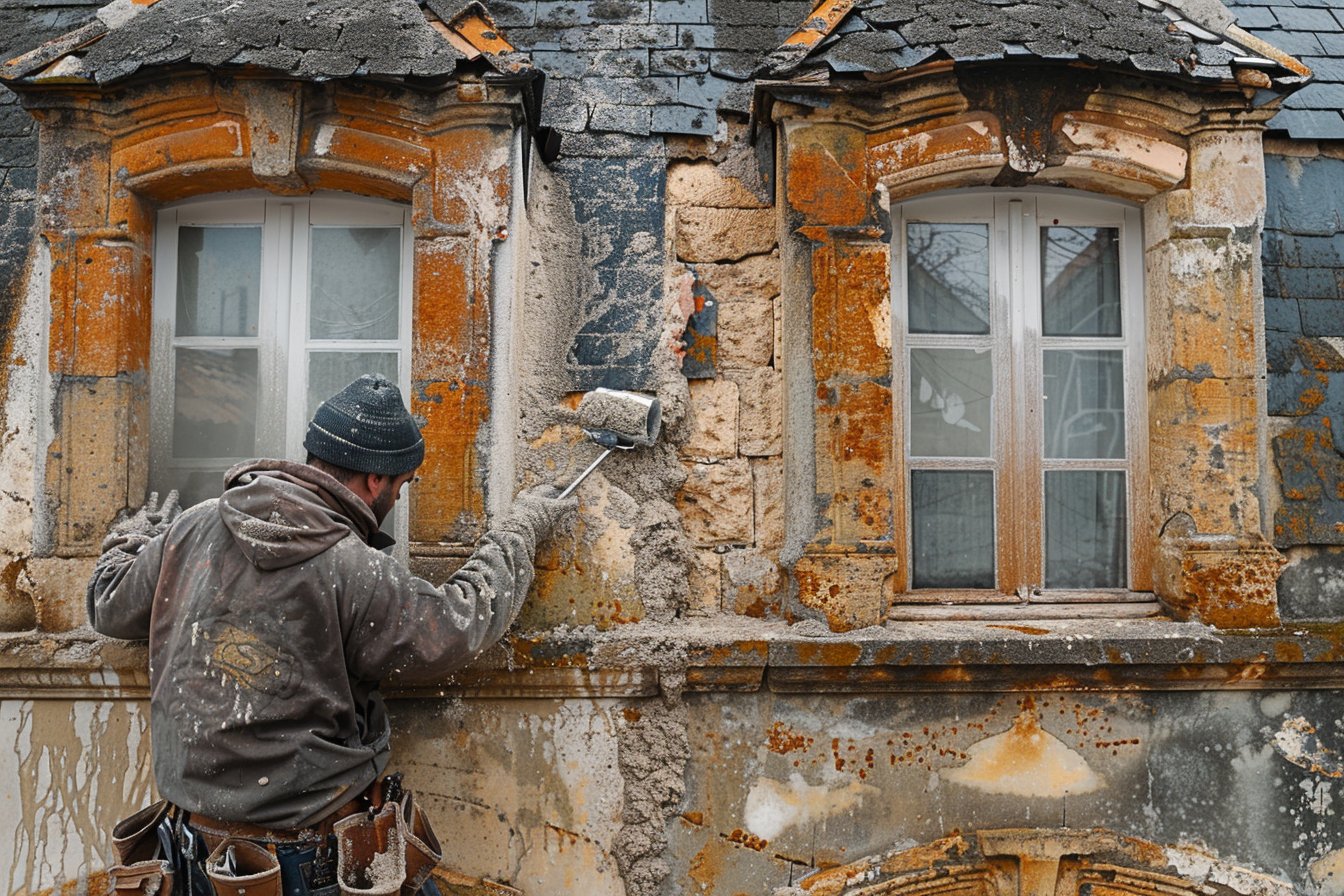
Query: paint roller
pixel 617 420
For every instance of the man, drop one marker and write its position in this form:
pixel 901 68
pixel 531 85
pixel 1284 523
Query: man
pixel 273 617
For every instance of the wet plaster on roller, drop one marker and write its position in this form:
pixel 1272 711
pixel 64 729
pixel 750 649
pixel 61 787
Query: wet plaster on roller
pixel 626 504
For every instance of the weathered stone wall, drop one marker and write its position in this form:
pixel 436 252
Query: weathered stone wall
pixel 770 786
pixel 21 29
pixel 654 727
pixel 1304 320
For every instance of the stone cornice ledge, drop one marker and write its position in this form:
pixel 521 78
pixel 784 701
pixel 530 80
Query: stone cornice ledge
pixel 741 654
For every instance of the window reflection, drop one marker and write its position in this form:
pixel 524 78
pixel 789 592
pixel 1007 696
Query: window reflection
pixel 1080 281
pixel 947 277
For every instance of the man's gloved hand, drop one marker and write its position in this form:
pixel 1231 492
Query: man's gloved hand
pixel 537 510
pixel 131 531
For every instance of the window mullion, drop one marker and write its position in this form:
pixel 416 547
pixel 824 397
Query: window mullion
pixel 296 342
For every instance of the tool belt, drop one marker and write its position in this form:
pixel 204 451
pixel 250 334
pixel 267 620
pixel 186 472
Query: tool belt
pixel 383 844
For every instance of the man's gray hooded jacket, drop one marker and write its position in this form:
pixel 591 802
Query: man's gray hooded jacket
pixel 271 622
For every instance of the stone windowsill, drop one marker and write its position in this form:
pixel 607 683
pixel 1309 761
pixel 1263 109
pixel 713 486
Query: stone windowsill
pixel 742 654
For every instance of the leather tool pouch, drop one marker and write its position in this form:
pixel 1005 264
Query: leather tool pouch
pixel 152 877
pixel 144 861
pixel 422 847
pixel 370 853
pixel 239 867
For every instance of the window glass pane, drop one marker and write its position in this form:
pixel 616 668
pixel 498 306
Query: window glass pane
pixel 947 277
pixel 952 515
pixel 1080 281
pixel 1085 525
pixel 218 281
pixel 354 284
pixel 215 402
pixel 950 402
pixel 1084 404
pixel 330 372
pixel 194 486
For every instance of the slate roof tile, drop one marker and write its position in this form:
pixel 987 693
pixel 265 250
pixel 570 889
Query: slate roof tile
pixel 316 39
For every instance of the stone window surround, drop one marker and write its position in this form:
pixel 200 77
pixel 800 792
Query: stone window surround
pixel 108 160
pixel 1190 157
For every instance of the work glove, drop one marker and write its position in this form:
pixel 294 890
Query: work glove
pixel 537 511
pixel 132 531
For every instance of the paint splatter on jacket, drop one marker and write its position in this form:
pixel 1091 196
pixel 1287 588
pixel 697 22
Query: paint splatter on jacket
pixel 271 622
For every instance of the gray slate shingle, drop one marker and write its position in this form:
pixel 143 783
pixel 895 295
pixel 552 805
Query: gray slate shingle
pixel 1312 30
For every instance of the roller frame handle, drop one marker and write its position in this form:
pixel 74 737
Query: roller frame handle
pixel 584 475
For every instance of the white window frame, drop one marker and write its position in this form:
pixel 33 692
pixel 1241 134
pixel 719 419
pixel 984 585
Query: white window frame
pixel 1018 453
pixel 282 334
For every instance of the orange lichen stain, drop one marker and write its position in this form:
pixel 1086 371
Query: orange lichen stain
pixel 784 740
pixel 695 818
pixel 706 866
pixel 96 882
pixel 1024 629
pixel 1288 651
pixel 632 715
pixel 747 839
pixel 829 654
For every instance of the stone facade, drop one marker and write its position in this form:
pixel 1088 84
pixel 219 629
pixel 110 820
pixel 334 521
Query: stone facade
pixel 707 691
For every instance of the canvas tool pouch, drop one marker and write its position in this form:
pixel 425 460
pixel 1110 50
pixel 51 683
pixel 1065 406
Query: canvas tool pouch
pixel 422 847
pixel 371 852
pixel 240 867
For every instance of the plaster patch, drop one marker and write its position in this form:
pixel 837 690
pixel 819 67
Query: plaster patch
pixel 880 316
pixel 1025 760
pixel 773 807
pixel 1297 742
pixel 1200 867
pixel 1275 705
pixel 322 142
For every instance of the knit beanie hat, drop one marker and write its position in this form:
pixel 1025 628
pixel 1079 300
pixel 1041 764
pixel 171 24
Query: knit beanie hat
pixel 365 427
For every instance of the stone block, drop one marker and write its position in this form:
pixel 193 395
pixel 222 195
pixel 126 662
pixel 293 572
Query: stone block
pixel 710 185
pixel 760 416
pixel 754 277
pixel 100 422
pixel 716 503
pixel 849 590
pixel 851 311
pixel 752 583
pixel 1224 581
pixel 713 420
pixel 712 234
pixel 767 476
pixel 706 585
pixel 824 177
pixel 746 333
pixel 58 591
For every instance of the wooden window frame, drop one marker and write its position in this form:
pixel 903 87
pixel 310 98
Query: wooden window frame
pixel 1017 454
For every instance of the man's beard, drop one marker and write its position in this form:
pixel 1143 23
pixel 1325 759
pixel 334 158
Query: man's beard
pixel 384 501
